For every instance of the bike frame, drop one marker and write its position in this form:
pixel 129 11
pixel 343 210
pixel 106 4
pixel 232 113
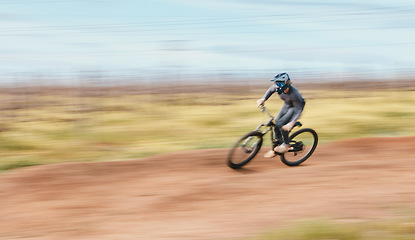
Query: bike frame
pixel 270 123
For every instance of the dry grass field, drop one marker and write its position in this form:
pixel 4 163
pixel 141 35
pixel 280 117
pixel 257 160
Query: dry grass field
pixel 40 125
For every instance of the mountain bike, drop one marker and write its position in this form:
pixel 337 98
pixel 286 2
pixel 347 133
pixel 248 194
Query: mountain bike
pixel 302 144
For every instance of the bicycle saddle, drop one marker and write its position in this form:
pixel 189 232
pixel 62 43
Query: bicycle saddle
pixel 297 124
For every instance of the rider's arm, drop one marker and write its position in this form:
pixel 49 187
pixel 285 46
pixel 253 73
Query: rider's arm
pixel 267 95
pixel 269 92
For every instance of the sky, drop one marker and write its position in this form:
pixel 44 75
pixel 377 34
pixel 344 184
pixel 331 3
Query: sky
pixel 243 38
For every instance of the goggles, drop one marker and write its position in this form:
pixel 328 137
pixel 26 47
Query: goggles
pixel 279 84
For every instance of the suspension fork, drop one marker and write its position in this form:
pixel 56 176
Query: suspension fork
pixel 258 129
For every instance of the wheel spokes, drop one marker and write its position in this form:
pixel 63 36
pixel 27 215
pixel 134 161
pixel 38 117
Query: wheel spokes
pixel 245 149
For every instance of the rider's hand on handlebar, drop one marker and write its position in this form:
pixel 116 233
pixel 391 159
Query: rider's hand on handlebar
pixel 260 102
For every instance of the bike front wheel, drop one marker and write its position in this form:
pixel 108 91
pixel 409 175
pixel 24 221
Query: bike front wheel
pixel 245 149
pixel 303 143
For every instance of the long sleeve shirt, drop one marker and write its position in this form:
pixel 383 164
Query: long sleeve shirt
pixel 292 99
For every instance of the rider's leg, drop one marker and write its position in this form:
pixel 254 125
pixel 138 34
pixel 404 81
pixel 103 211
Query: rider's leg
pixel 281 121
pixel 284 119
pixel 285 137
pixel 280 148
pixel 277 134
pixel 284 147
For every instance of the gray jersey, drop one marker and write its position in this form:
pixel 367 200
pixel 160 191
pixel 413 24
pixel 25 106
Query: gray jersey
pixel 292 99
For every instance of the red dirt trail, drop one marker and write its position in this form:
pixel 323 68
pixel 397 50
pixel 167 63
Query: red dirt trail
pixel 194 195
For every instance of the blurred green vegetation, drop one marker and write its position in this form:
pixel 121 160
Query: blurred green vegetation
pixel 58 127
pixel 397 229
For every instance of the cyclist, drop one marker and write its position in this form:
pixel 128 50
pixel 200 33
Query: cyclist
pixel 289 113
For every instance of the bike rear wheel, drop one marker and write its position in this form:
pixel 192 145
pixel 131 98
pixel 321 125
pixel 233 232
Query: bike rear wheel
pixel 303 143
pixel 245 149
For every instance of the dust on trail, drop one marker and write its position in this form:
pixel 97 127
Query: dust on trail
pixel 194 195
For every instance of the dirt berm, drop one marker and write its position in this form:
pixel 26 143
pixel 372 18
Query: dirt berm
pixel 194 195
